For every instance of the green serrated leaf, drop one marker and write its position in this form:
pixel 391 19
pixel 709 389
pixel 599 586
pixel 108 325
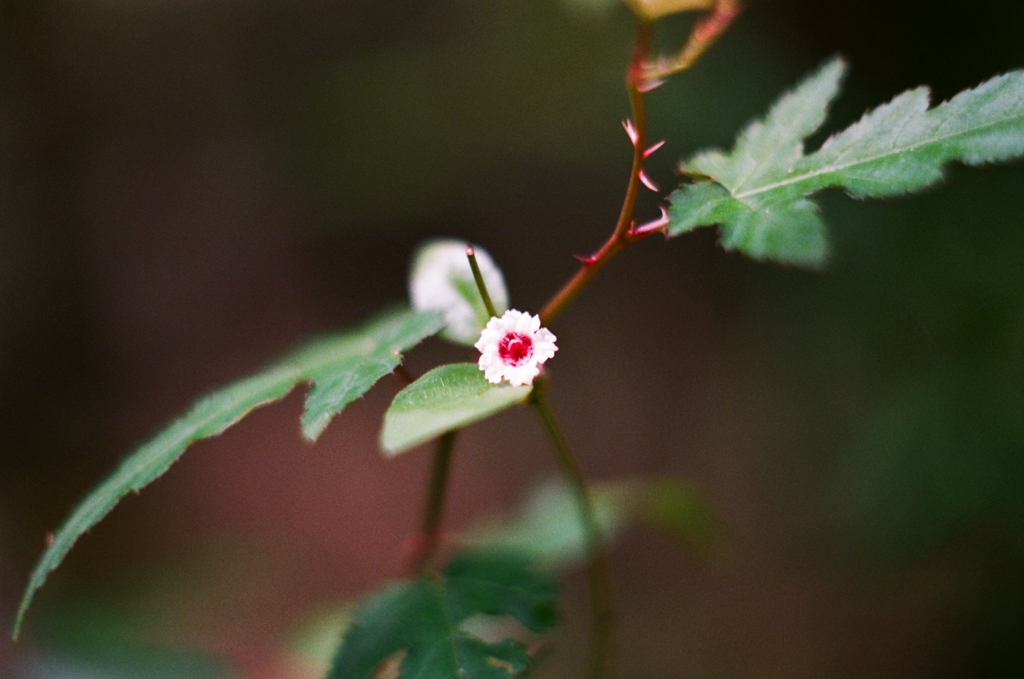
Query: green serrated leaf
pixel 446 398
pixel 759 193
pixel 344 367
pixel 548 530
pixel 423 619
pixel 341 367
pixel 387 623
pixel 316 637
pixel 500 582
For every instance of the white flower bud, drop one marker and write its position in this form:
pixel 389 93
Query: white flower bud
pixel 442 280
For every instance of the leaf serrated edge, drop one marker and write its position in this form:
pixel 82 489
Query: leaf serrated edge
pixel 101 500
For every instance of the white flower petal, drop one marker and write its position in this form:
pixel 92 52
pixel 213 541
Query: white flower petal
pixel 441 279
pixel 526 369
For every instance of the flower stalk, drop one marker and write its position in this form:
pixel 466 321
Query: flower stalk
pixel 598 566
pixel 478 277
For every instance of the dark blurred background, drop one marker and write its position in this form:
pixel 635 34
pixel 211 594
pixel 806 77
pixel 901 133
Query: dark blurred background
pixel 187 189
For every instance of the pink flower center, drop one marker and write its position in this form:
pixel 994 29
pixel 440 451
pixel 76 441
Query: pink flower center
pixel 515 348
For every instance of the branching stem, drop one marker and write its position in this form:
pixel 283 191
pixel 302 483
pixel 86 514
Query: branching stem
pixel 599 567
pixel 640 78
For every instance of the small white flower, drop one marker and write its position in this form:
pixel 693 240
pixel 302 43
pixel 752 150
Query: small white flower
pixel 441 279
pixel 513 348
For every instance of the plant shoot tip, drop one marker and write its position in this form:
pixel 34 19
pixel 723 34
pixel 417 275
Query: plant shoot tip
pixel 631 132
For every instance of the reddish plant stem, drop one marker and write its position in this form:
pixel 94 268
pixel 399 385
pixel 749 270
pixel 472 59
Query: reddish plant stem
pixel 599 569
pixel 704 34
pixel 623 234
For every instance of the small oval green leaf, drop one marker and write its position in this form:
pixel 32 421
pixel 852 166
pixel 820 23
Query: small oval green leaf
pixel 446 398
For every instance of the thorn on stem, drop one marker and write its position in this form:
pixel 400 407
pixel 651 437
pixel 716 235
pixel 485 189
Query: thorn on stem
pixel 654 148
pixel 647 181
pixel 630 131
pixel 658 224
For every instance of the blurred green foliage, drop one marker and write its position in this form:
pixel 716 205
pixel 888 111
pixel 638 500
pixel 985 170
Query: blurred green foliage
pixel 423 618
pixel 90 639
pixel 548 526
